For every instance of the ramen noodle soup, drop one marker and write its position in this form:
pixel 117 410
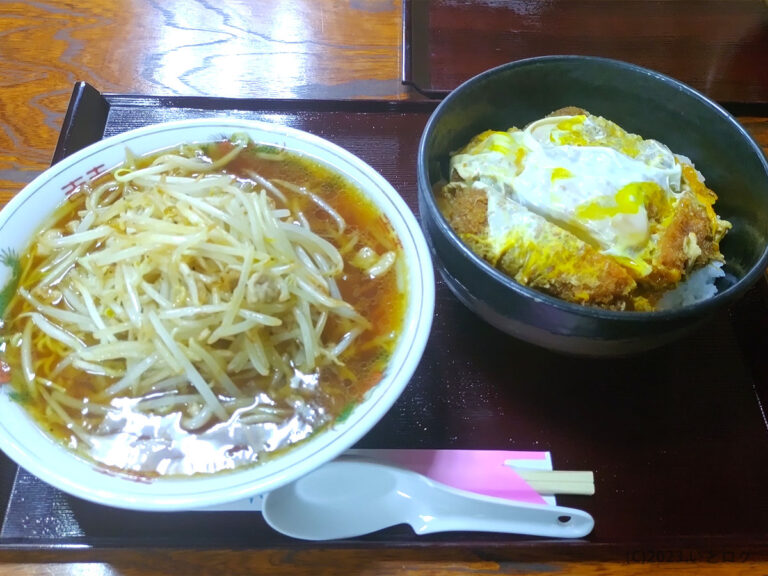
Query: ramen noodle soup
pixel 203 309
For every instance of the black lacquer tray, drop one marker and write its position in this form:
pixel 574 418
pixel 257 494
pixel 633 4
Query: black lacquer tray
pixel 677 437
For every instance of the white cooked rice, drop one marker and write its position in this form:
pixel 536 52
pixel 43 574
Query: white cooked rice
pixel 699 286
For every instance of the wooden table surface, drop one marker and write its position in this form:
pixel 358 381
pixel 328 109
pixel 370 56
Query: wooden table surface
pixel 244 48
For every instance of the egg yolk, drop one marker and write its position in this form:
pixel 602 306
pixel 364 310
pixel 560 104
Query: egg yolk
pixel 491 141
pixel 561 173
pixel 594 131
pixel 627 200
pixel 569 131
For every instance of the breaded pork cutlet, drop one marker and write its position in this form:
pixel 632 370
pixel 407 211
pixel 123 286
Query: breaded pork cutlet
pixel 559 256
pixel 692 236
pixel 535 252
pixel 690 239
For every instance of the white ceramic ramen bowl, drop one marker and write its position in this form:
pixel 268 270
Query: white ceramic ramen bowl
pixel 22 439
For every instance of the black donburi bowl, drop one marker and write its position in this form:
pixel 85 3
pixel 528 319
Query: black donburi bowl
pixel 641 101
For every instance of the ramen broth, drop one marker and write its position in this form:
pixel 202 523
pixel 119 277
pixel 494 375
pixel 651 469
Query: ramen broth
pixel 150 430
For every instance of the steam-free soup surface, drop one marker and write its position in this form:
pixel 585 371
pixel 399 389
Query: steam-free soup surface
pixel 203 309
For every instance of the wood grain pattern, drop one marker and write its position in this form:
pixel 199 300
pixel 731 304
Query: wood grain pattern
pixel 758 129
pixel 319 561
pixel 716 46
pixel 268 49
pixel 241 48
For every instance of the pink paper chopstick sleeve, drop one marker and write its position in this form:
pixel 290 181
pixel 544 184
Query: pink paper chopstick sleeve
pixel 479 471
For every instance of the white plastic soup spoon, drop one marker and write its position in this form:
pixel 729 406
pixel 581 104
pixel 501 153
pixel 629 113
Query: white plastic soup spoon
pixel 347 498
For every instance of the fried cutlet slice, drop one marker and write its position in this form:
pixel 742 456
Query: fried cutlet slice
pixel 691 237
pixel 464 206
pixel 685 233
pixel 534 251
pixel 569 111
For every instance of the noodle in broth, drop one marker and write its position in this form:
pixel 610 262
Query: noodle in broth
pixel 203 308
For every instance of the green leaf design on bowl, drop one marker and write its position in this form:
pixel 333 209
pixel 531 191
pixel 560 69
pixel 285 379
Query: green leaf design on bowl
pixel 345 413
pixel 10 259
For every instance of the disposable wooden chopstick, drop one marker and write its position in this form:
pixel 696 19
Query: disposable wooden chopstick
pixel 548 482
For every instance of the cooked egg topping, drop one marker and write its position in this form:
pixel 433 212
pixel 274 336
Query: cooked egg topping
pixel 613 189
